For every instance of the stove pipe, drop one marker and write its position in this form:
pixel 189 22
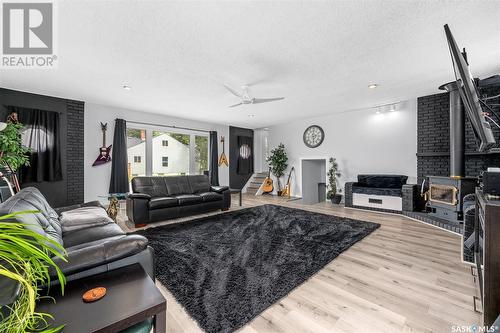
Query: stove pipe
pixel 457 130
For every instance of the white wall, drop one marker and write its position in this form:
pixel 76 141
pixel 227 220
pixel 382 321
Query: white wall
pixel 97 178
pixel 260 146
pixel 362 142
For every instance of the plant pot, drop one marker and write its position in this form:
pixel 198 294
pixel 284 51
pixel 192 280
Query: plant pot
pixel 336 199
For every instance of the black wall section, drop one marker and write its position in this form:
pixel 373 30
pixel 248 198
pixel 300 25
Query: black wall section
pixel 236 180
pixel 433 152
pixel 69 190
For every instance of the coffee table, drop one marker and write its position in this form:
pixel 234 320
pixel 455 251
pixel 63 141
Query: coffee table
pixel 131 298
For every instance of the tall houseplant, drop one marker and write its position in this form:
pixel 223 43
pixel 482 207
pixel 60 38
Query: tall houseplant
pixel 25 258
pixel 333 174
pixel 278 162
pixel 13 154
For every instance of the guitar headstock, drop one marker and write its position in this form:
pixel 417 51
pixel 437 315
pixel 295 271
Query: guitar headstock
pixel 222 139
pixel 104 127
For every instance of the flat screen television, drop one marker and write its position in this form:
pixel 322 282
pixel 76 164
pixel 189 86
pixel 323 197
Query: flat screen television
pixel 469 95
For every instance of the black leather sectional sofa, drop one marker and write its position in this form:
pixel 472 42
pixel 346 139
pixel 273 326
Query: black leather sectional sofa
pixel 161 198
pixel 94 243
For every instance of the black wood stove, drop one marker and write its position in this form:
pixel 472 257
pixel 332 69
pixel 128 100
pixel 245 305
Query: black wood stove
pixel 445 196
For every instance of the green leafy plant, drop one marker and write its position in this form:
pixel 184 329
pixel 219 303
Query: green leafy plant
pixel 278 162
pixel 26 257
pixel 12 152
pixel 333 174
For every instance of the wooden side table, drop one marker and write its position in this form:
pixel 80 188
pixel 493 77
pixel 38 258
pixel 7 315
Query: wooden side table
pixel 131 298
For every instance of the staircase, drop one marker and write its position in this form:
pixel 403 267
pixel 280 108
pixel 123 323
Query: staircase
pixel 255 182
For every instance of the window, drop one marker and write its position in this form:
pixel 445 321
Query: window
pixel 179 153
pixel 163 153
pixel 136 150
pixel 201 153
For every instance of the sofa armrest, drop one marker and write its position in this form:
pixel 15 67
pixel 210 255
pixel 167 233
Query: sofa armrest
pixel 88 255
pixel 348 193
pixel 412 200
pixel 138 207
pixel 139 196
pixel 219 189
pixel 94 203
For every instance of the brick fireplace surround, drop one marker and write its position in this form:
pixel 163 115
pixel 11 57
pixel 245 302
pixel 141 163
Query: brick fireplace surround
pixel 433 151
pixel 433 138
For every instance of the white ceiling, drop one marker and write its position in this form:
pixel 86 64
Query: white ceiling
pixel 320 55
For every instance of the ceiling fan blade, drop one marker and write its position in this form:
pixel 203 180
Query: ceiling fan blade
pixel 232 91
pixel 232 106
pixel 265 100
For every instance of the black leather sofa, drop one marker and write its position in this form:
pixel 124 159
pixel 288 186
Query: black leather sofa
pixel 376 192
pixel 161 198
pixel 93 246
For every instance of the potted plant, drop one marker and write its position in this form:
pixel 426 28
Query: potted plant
pixel 333 174
pixel 278 162
pixel 25 260
pixel 13 154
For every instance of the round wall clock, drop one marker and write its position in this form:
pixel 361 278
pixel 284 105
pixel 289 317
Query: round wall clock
pixel 313 136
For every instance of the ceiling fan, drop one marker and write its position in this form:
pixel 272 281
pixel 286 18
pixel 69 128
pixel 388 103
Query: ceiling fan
pixel 244 95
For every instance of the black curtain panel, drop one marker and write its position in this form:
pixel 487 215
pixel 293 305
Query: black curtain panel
pixel 245 155
pixel 119 161
pixel 214 159
pixel 41 133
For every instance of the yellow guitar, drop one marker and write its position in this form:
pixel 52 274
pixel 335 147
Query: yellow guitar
pixel 287 190
pixel 223 158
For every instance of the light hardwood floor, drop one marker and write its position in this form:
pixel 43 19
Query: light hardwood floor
pixel 405 277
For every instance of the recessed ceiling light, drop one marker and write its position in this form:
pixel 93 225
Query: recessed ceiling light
pixel 373 86
pixel 127 87
pixel 251 115
pixel 377 112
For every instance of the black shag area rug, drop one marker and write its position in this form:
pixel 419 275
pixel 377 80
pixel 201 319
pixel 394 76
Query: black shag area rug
pixel 228 268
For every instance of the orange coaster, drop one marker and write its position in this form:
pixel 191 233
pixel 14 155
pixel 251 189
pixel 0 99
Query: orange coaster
pixel 94 294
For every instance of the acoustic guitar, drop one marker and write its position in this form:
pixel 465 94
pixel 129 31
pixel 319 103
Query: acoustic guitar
pixel 286 192
pixel 268 183
pixel 223 158
pixel 104 152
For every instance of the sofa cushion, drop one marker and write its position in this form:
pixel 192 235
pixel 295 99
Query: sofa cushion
pixel 199 183
pixel 393 192
pixel 154 186
pixel 163 202
pixel 177 185
pixel 188 199
pixel 45 222
pixel 382 181
pixel 210 196
pixel 100 251
pixel 84 217
pixel 88 235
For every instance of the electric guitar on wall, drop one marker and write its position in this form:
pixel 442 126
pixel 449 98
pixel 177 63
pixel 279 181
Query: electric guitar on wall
pixel 223 158
pixel 268 183
pixel 286 192
pixel 104 152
